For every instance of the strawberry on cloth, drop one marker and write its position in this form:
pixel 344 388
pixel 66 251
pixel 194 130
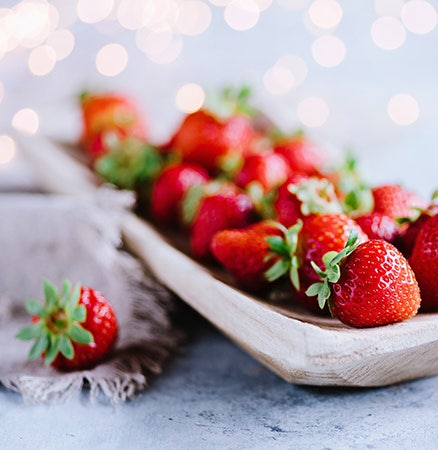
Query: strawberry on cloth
pixel 73 329
pixel 79 238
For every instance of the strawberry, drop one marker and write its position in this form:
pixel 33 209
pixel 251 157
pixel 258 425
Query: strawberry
pixel 406 240
pixel 214 143
pixel 245 254
pixel 100 144
pixel 224 209
pixel 378 226
pixel 267 169
pixel 424 262
pixel 102 112
pixel 368 284
pixel 302 155
pixel 320 234
pixel 300 196
pixel 303 245
pixel 396 201
pixel 170 187
pixel 73 329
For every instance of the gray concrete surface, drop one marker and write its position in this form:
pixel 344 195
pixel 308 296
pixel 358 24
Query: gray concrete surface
pixel 214 395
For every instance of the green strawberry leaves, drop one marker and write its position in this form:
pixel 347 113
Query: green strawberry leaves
pixel 58 323
pixel 316 196
pixel 128 162
pixel 332 272
pixel 284 247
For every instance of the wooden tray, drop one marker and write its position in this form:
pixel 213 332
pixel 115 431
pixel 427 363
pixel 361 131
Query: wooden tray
pixel 298 346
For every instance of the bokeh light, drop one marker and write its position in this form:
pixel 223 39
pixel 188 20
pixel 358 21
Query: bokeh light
pixel 419 16
pixel 313 112
pixel 62 42
pixel 134 14
pixel 296 65
pixel 94 11
pixel 328 51
pixel 242 15
pixel 7 149
pixel 8 30
pixel 111 60
pixel 163 13
pixel 388 33
pixel 154 42
pixel 325 14
pixel 190 97
pixel 26 120
pixel 279 80
pixel 403 109
pixel 194 17
pixel 171 52
pixel 34 21
pixel 42 60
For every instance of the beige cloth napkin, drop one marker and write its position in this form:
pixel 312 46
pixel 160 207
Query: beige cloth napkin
pixel 58 237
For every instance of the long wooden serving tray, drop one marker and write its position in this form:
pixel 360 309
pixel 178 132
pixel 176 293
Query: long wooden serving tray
pixel 298 346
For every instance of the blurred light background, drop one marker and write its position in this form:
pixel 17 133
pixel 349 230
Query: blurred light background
pixel 359 75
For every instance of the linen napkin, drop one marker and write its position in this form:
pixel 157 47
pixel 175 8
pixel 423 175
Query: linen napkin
pixel 57 237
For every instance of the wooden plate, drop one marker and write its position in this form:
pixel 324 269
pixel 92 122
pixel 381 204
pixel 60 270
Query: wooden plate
pixel 298 346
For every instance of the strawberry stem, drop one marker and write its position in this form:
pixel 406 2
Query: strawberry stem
pixel 332 272
pixel 59 320
pixel 284 246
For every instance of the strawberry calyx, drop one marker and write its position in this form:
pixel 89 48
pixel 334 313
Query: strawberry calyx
pixel 332 272
pixel 57 323
pixel 263 201
pixel 356 194
pixel 232 101
pixel 284 246
pixel 128 161
pixel 430 210
pixel 317 196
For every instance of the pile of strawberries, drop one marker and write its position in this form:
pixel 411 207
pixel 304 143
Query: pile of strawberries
pixel 269 208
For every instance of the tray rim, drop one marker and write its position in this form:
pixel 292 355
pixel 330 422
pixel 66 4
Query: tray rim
pixel 300 350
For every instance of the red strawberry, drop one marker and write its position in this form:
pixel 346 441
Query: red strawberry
pixel 378 226
pixel 367 285
pixel 169 188
pixel 396 201
pixel 406 240
pixel 321 233
pixel 424 262
pixel 74 329
pixel 102 112
pixel 244 253
pixel 300 196
pixel 216 144
pixel 220 211
pixel 267 169
pixel 302 155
